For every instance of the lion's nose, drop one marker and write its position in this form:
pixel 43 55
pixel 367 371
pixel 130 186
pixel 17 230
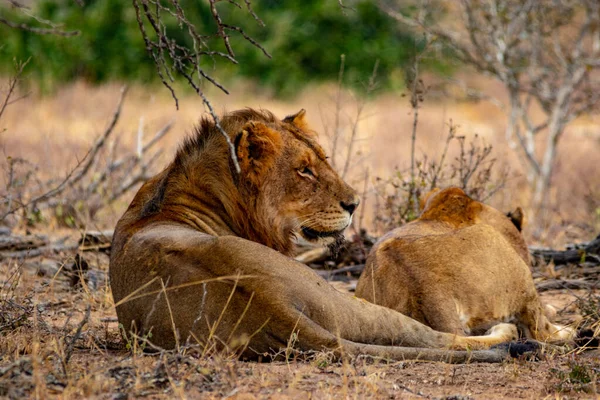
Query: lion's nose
pixel 351 205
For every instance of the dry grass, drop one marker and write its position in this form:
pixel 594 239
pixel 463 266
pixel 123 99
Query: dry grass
pixel 45 357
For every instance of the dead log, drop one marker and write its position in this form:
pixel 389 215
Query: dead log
pixel 579 253
pixel 573 284
pixel 44 250
pixel 10 243
pixel 96 241
pixel 333 275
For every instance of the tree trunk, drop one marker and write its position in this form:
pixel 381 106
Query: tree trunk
pixel 555 130
pixel 542 185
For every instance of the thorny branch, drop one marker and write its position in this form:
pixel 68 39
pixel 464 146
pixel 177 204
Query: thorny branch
pixel 12 85
pixel 50 29
pixel 172 57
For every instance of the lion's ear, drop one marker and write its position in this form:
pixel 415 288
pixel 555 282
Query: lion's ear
pixel 256 148
pixel 517 218
pixel 299 121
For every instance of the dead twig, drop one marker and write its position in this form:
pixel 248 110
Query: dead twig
pixel 12 85
pixel 37 30
pixel 170 57
pixel 71 343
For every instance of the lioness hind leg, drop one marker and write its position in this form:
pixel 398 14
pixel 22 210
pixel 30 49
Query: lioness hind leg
pixel 443 314
pixel 537 325
pixel 498 334
pixel 550 311
pixel 559 332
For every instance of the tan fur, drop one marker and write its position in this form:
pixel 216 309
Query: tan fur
pixel 461 267
pixel 219 241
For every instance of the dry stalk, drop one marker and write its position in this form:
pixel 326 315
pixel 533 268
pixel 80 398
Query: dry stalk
pixel 13 81
pixel 371 86
pixel 418 90
pixel 71 343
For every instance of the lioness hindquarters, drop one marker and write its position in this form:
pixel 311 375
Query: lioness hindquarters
pixel 461 268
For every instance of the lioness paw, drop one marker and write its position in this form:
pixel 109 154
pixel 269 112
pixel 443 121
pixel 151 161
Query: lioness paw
pixel 506 332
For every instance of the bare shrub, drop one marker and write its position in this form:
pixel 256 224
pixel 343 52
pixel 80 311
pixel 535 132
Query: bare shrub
pixel 101 177
pixel 398 198
pixel 14 311
pixel 546 55
pixel 474 170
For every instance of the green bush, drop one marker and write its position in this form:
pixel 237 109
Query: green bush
pixel 304 37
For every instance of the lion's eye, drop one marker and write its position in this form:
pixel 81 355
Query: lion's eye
pixel 306 172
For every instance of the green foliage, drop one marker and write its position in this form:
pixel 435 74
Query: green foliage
pixel 579 376
pixel 109 46
pixel 305 38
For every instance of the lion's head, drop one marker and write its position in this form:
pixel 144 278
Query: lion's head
pixel 286 188
pixel 452 205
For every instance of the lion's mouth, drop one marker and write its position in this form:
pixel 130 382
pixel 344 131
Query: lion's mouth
pixel 312 234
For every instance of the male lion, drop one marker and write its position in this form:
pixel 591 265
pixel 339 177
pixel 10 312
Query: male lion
pixel 461 267
pixel 200 255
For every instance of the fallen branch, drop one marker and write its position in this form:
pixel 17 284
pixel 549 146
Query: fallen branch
pixel 352 269
pixel 580 253
pixel 30 253
pixel 18 243
pixel 30 246
pixel 573 284
pixel 96 241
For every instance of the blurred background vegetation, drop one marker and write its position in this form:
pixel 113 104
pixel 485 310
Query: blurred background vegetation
pixel 305 38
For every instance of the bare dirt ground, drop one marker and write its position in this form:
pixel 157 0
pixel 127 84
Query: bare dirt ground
pixel 50 349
